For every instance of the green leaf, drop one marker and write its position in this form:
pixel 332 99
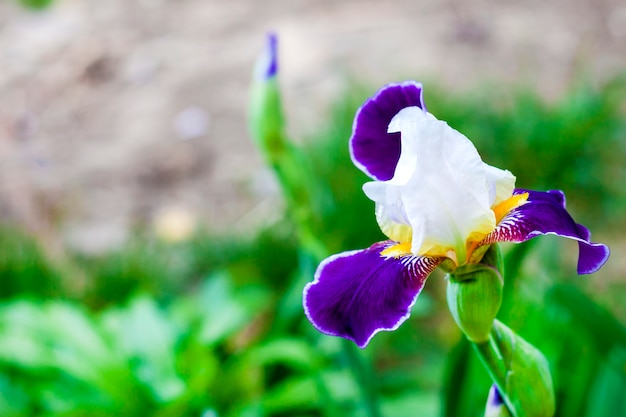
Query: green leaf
pixel 606 397
pixel 221 310
pixel 295 353
pixel 303 392
pixel 408 404
pixel 147 338
pixel 606 331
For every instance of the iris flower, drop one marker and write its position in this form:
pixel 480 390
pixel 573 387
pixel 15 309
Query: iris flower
pixel 438 203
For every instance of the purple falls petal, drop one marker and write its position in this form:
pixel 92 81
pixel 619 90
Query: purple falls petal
pixel 545 213
pixel 356 294
pixel 373 150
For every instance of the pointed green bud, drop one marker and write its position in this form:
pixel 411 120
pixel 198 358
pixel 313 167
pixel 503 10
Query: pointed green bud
pixel 520 371
pixel 475 294
pixel 304 197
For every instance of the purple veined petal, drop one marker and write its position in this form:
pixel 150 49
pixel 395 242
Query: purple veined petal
pixel 373 150
pixel 545 213
pixel 358 293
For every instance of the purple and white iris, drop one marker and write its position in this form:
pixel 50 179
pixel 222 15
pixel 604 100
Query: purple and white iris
pixel 436 201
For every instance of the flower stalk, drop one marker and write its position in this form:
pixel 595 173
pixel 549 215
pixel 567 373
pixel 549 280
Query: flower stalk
pixel 304 197
pixel 519 371
pixel 267 126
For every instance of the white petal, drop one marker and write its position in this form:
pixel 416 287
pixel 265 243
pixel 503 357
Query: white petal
pixel 390 212
pixel 409 149
pixel 501 184
pixel 441 188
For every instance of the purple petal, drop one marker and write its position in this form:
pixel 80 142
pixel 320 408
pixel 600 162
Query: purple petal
pixel 267 64
pixel 373 150
pixel 356 294
pixel 495 404
pixel 494 399
pixel 545 213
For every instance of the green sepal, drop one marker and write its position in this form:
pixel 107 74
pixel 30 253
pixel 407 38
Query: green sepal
pixel 474 295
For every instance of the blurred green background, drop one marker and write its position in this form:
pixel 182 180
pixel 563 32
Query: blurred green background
pixel 212 325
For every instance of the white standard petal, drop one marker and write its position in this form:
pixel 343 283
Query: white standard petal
pixel 501 184
pixel 390 211
pixel 447 199
pixel 409 149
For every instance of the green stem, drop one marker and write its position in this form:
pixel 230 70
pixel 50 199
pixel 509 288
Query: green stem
pixel 518 369
pixel 363 373
pixel 493 360
pixel 329 408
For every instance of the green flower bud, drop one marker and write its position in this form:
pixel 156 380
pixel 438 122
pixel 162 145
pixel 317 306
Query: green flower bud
pixel 304 197
pixel 520 371
pixel 266 118
pixel 475 294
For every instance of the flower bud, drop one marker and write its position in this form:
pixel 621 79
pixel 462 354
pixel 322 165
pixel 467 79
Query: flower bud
pixel 301 189
pixel 520 371
pixel 266 114
pixel 475 294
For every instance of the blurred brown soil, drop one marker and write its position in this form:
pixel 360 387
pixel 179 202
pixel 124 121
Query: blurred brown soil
pixel 119 113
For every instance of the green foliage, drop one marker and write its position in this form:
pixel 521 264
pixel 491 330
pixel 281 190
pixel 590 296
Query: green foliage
pixel 23 266
pixel 36 4
pixel 214 326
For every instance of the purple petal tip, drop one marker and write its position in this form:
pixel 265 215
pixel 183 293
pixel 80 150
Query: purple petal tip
pixel 495 404
pixel 591 257
pixel 495 399
pixel 267 64
pixel 545 214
